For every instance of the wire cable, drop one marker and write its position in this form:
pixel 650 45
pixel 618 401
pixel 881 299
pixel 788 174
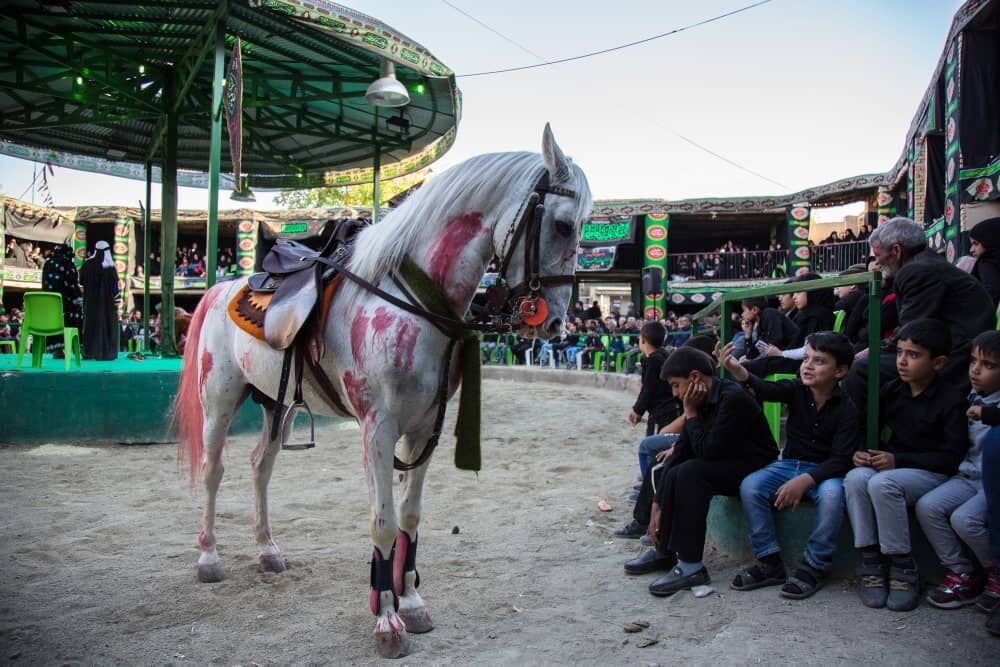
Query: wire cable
pixel 613 48
pixel 495 32
pixel 728 161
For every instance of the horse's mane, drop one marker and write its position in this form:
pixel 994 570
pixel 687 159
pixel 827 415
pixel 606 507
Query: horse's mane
pixel 483 179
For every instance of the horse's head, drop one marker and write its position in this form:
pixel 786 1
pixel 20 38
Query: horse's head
pixel 554 238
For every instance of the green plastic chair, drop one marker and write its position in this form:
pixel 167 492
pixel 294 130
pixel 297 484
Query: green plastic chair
pixel 772 411
pixel 9 345
pixel 838 320
pixel 43 317
pixel 622 356
pixel 600 355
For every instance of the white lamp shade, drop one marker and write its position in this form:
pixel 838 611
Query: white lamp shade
pixel 387 91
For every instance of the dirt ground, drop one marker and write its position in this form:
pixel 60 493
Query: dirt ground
pixel 99 551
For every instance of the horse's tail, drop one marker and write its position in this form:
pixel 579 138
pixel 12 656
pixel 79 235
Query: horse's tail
pixel 188 411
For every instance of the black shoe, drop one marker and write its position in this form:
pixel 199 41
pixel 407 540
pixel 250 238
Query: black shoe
pixel 872 584
pixel 632 531
pixel 904 588
pixel 675 581
pixel 646 541
pixel 993 622
pixel 648 561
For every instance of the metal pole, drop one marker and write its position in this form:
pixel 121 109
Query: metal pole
pixel 377 183
pixel 215 155
pixel 147 246
pixel 168 222
pixel 874 337
pixel 724 324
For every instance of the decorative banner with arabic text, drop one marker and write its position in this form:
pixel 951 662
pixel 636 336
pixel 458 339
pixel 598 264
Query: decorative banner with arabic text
pixel 232 100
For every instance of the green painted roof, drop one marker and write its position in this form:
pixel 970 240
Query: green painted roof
pixel 81 86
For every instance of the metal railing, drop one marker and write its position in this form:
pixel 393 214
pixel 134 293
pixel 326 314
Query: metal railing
pixel 727 265
pixel 873 279
pixel 830 257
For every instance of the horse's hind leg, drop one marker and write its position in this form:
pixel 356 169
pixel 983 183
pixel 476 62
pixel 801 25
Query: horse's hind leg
pixel 227 397
pixel 262 461
pixel 412 609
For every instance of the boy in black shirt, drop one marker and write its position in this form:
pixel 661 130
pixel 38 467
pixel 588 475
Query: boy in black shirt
pixel 725 438
pixel 928 440
pixel 823 433
pixel 772 327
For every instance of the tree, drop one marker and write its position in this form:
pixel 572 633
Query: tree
pixel 351 195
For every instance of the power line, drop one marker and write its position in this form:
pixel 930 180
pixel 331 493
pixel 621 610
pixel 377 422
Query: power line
pixel 495 32
pixel 728 161
pixel 613 48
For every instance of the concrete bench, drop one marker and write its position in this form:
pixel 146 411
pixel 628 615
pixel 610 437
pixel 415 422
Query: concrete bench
pixel 727 530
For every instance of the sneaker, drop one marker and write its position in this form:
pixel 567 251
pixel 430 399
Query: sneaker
pixel 955 591
pixel 904 587
pixel 872 584
pixel 632 531
pixel 675 581
pixel 990 599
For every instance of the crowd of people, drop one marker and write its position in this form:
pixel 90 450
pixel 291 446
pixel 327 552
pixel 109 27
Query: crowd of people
pixel 190 262
pixel 939 426
pixel 27 254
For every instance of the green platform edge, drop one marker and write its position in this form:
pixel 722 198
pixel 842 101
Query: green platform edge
pixel 120 401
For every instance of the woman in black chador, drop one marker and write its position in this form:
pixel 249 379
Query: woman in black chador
pixel 59 275
pixel 100 314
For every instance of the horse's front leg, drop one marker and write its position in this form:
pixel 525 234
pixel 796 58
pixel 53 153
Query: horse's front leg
pixel 391 640
pixel 262 463
pixel 405 577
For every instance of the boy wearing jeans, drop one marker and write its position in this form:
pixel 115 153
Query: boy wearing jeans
pixel 928 439
pixel 823 434
pixel 953 515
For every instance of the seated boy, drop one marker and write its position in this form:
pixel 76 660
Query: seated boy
pixel 725 438
pixel 763 324
pixel 953 515
pixel 928 439
pixel 823 434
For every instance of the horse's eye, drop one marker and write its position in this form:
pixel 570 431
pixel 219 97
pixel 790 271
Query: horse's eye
pixel 564 228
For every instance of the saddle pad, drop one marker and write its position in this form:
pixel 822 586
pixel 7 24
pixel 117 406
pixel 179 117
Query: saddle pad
pixel 247 308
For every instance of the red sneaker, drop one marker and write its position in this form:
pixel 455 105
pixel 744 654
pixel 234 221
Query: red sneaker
pixel 957 590
pixel 990 599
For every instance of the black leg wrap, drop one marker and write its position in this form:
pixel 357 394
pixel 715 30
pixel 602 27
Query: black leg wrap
pixel 410 564
pixel 381 577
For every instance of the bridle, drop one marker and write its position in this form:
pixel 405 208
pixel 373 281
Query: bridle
pixel 508 306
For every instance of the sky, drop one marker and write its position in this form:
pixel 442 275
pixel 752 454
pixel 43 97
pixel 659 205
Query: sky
pixel 802 92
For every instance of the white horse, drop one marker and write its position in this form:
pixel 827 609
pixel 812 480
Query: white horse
pixel 386 362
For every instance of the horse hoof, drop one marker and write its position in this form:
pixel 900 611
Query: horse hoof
pixel 272 563
pixel 209 573
pixel 418 621
pixel 392 644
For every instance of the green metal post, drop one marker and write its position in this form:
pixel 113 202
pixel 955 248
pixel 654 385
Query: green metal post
pixel 376 183
pixel 874 337
pixel 168 223
pixel 147 246
pixel 215 155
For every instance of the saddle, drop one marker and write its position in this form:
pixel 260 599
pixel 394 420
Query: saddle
pixel 286 306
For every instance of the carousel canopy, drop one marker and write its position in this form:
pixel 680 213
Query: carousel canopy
pixel 82 85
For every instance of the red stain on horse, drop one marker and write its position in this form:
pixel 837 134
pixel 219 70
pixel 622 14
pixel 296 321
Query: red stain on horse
pixel 382 321
pixel 406 340
pixel 359 331
pixel 355 387
pixel 455 237
pixel 245 361
pixel 206 368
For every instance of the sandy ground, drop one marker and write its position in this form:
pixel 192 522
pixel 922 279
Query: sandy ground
pixel 99 550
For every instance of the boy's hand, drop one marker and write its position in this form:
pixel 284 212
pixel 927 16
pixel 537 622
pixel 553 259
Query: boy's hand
pixel 694 397
pixel 727 359
pixel 975 413
pixel 883 461
pixel 863 354
pixel 654 523
pixel 664 455
pixel 862 459
pixel 790 493
pixel 634 417
pixel 773 351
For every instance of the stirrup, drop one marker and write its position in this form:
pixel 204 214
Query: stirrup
pixel 290 412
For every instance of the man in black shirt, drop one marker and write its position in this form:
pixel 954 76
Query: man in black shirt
pixel 725 438
pixel 823 432
pixel 927 442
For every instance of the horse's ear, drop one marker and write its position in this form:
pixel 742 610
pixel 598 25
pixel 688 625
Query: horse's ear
pixel 555 160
